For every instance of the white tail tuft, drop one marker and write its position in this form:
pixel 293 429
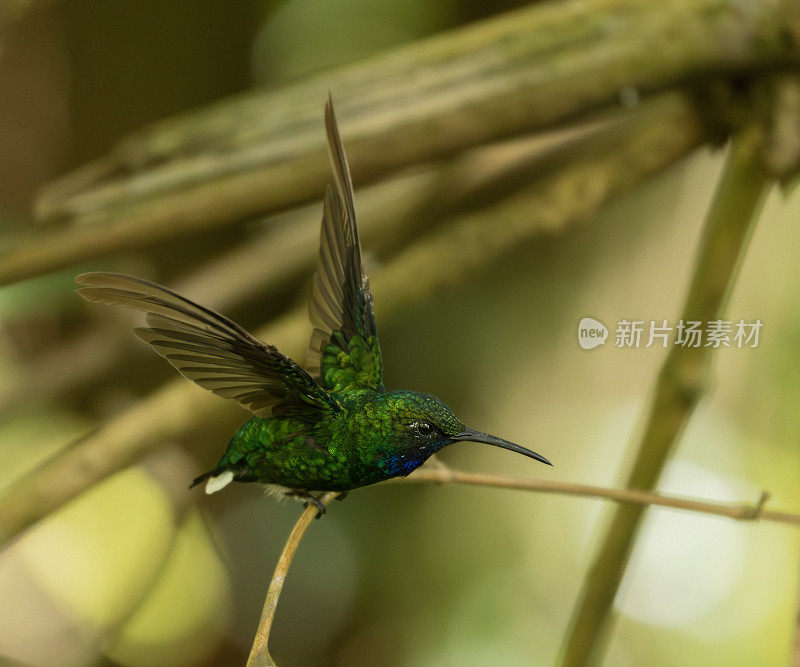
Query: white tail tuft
pixel 222 480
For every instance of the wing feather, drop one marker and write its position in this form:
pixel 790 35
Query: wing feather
pixel 211 350
pixel 344 352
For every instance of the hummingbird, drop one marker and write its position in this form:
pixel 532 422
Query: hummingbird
pixel 328 426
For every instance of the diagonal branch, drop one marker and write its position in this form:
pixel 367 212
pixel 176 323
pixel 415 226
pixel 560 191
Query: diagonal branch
pixel 524 70
pixel 733 212
pixel 530 69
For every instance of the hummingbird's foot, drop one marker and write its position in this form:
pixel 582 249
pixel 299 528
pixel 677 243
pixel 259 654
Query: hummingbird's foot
pixel 313 500
pixel 307 499
pixel 342 496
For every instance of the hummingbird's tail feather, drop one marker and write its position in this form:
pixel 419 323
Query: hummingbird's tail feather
pixel 216 480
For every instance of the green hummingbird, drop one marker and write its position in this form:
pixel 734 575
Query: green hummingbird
pixel 329 427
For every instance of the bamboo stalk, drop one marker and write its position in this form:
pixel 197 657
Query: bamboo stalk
pixel 680 384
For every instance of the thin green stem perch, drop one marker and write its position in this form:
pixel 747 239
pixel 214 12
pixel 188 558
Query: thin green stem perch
pixel 259 653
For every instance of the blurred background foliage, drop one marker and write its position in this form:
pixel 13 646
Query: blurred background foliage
pixel 138 571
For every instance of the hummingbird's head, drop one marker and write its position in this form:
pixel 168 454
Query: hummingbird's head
pixel 421 425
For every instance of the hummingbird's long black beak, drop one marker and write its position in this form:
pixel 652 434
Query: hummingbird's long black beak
pixel 477 436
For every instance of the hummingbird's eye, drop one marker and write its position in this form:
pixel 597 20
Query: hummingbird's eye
pixel 423 428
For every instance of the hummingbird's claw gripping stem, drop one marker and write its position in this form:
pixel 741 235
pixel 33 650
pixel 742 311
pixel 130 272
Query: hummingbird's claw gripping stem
pixel 320 507
pixel 309 499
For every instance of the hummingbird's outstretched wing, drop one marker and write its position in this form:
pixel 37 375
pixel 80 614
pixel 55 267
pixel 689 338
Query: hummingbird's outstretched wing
pixel 344 352
pixel 211 350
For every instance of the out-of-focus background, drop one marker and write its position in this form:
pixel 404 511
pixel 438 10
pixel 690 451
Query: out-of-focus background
pixel 137 570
